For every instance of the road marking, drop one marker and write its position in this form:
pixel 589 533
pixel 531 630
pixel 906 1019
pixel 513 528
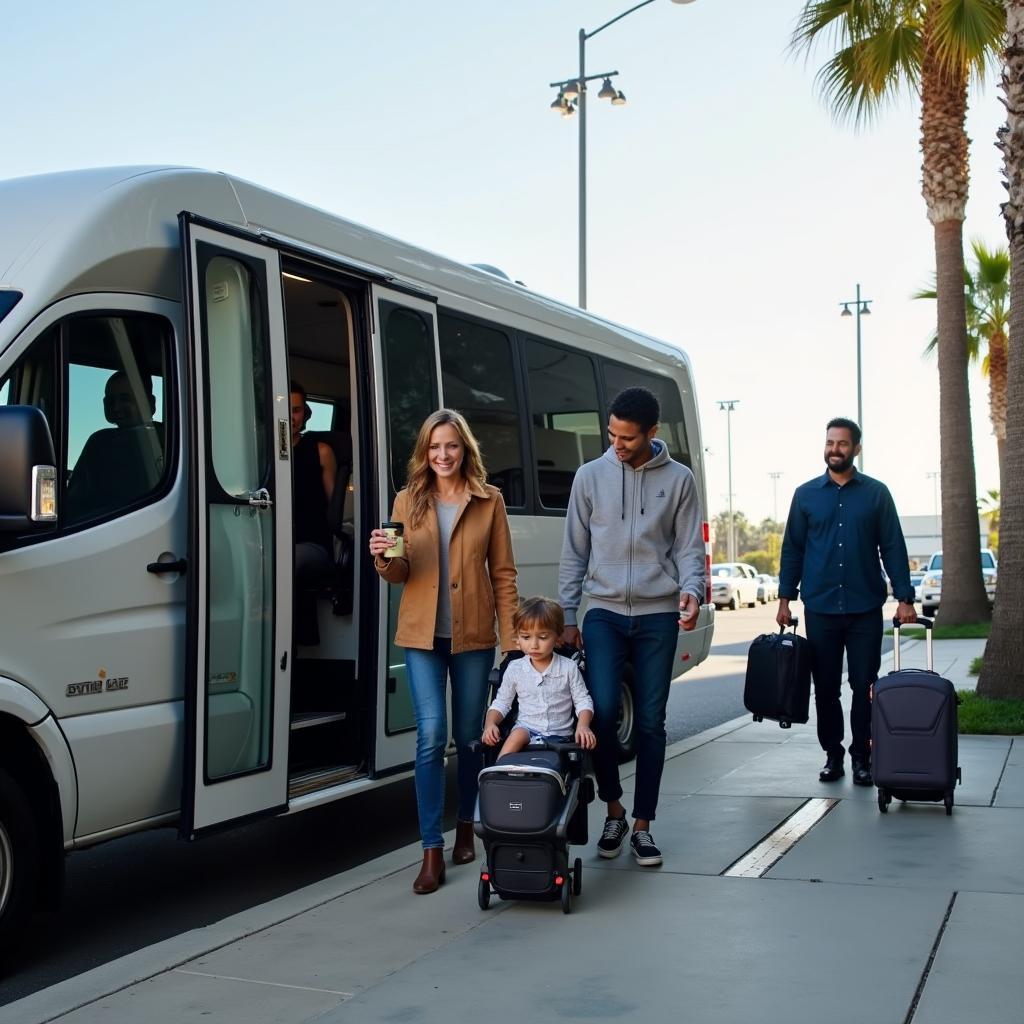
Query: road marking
pixel 771 849
pixel 256 981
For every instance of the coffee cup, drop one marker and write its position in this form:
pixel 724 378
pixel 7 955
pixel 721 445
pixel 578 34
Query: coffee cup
pixel 396 542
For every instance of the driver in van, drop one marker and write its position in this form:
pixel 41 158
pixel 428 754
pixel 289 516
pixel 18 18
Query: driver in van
pixel 123 463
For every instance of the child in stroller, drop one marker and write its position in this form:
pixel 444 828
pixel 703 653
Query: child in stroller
pixel 533 801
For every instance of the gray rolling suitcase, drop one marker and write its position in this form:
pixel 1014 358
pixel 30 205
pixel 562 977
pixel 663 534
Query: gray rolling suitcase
pixel 914 731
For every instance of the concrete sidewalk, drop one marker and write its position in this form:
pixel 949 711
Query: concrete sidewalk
pixel 911 916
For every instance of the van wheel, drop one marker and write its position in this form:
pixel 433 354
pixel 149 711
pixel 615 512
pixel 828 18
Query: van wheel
pixel 625 730
pixel 19 860
pixel 733 603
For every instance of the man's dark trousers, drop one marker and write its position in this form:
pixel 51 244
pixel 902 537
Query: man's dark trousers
pixel 861 637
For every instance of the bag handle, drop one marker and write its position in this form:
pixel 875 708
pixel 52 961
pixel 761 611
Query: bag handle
pixel 794 621
pixel 929 657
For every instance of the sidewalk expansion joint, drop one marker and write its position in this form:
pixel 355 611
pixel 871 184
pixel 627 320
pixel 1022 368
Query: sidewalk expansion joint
pixel 258 981
pixel 919 991
pixel 1002 772
pixel 757 861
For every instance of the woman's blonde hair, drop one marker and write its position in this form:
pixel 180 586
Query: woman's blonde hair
pixel 421 476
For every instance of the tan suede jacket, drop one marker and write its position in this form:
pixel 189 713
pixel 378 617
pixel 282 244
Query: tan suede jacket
pixel 482 574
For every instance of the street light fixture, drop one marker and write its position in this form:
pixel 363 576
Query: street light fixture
pixel 861 310
pixel 775 494
pixel 728 404
pixel 572 96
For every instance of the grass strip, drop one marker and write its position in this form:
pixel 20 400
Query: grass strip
pixel 976 663
pixel 982 717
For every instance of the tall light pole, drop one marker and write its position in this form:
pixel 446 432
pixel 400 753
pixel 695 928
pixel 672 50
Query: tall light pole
pixel 572 95
pixel 862 310
pixel 934 477
pixel 728 404
pixel 775 494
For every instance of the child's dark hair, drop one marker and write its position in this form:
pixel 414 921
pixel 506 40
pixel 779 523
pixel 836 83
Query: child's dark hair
pixel 539 611
pixel 844 424
pixel 636 405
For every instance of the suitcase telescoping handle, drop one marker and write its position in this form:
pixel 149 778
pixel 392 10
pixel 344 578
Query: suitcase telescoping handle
pixel 794 621
pixel 929 657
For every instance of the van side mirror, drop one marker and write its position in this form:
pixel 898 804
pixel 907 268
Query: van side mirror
pixel 28 472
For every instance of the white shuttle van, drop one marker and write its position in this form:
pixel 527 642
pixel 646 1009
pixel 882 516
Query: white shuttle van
pixel 150 322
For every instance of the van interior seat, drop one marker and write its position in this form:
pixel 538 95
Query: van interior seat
pixel 339 584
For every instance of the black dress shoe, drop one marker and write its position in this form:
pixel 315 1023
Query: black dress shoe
pixel 862 774
pixel 832 771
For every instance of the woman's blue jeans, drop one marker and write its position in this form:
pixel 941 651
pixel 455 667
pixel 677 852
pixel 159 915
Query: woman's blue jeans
pixel 428 672
pixel 648 643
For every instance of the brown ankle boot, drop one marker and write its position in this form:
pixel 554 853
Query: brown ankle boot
pixel 464 851
pixel 431 872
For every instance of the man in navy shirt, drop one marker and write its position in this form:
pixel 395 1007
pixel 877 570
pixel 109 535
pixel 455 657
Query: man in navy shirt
pixel 842 528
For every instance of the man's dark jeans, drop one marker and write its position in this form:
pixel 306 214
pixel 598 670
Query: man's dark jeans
pixel 648 643
pixel 861 637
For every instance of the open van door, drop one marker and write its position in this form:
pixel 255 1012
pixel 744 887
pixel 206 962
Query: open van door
pixel 407 371
pixel 240 531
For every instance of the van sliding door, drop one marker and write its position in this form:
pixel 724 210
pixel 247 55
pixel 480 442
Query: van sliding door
pixel 407 372
pixel 240 537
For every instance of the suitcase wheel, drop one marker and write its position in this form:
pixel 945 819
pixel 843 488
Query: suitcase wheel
pixel 884 799
pixel 758 718
pixel 483 894
pixel 785 723
pixel 948 801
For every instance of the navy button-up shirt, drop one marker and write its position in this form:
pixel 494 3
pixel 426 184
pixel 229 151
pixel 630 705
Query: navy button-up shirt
pixel 837 539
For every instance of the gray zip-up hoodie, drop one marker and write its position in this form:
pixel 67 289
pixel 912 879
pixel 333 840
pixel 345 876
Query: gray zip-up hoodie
pixel 634 540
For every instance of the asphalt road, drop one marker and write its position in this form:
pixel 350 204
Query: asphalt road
pixel 130 893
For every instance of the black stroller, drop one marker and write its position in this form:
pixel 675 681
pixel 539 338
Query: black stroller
pixel 532 805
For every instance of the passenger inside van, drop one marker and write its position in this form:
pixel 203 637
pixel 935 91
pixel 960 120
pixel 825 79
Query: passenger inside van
pixel 121 464
pixel 314 479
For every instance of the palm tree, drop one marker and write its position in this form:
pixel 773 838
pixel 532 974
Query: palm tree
pixel 987 297
pixel 931 48
pixel 1002 672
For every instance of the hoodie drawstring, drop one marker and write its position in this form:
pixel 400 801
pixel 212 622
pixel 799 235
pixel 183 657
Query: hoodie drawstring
pixel 636 473
pixel 642 475
pixel 623 465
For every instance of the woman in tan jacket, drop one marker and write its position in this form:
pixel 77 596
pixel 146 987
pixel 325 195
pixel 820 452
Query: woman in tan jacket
pixel 459 577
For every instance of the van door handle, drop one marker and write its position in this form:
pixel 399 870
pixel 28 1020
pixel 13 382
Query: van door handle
pixel 260 498
pixel 159 568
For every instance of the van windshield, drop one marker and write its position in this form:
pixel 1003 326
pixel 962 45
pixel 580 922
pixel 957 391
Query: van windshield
pixel 987 561
pixel 8 300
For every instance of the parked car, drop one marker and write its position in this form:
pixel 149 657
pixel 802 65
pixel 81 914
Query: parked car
pixel 916 578
pixel 767 588
pixel 733 584
pixel 931 585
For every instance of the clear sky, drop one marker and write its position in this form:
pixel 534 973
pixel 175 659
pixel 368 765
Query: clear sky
pixel 728 213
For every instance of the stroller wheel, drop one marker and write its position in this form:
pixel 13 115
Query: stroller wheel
pixel 567 896
pixel 483 894
pixel 577 876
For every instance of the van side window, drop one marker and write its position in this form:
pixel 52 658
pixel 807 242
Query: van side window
pixel 479 380
pixel 113 454
pixel 410 375
pixel 567 425
pixel 672 429
pixel 117 368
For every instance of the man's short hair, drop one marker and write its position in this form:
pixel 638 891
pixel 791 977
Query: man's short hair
pixel 541 612
pixel 844 424
pixel 294 387
pixel 636 405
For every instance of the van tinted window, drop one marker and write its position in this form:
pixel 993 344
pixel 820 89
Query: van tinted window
pixel 673 427
pixel 568 428
pixel 478 378
pixel 8 300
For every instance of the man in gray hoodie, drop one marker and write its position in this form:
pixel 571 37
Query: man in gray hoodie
pixel 634 546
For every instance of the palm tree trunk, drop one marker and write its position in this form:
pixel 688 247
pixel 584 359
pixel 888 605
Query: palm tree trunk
pixel 944 145
pixel 997 355
pixel 1002 674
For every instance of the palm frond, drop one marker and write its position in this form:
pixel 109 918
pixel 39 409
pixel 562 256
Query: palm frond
pixel 969 34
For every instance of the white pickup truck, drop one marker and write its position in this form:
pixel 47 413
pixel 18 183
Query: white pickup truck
pixel 931 585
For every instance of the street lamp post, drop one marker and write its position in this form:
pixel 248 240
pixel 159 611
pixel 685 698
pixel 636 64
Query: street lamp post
pixel 572 95
pixel 775 494
pixel 728 404
pixel 934 477
pixel 862 310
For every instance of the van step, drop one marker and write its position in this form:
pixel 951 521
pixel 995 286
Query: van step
pixel 310 782
pixel 307 719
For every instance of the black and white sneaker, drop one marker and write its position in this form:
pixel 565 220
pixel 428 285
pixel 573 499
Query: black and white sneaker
pixel 646 853
pixel 612 838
